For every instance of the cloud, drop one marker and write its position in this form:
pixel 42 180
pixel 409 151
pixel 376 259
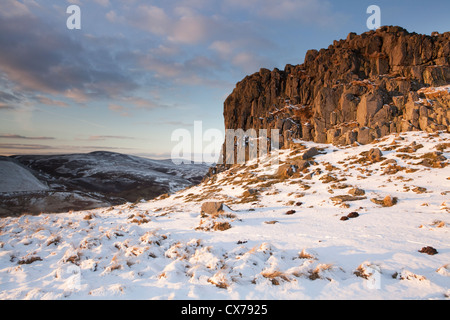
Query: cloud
pixel 243 53
pixel 8 97
pixel 177 123
pixel 318 12
pixel 150 18
pixel 14 146
pixel 77 2
pixel 23 149
pixel 11 100
pixel 142 103
pixel 37 58
pixel 111 16
pixel 102 138
pixel 6 107
pixel 16 136
pixel 177 24
pixel 13 9
pixel 51 102
pixel 196 70
pixel 119 109
pixel 250 62
pixel 192 30
pixel 219 40
pixel 104 3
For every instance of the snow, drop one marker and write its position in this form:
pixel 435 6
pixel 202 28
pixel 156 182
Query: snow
pixel 14 178
pixel 156 250
pixel 435 91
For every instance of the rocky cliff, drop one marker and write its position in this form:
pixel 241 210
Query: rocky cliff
pixel 357 90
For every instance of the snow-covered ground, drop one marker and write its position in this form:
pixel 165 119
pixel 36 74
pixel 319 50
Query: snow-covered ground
pixel 14 178
pixel 282 239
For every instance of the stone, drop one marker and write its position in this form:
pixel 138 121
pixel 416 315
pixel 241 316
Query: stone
pixel 353 215
pixel 212 208
pixel 286 170
pixel 375 155
pixel 356 192
pixel 345 198
pixel 301 164
pixel 250 192
pixel 429 250
pixel 310 153
pixel 364 135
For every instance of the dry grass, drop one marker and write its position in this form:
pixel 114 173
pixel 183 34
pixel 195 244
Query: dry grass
pixel 407 275
pixel 315 273
pixel 438 224
pixel 139 218
pixel 219 280
pixel 364 270
pixel 53 240
pixel 209 222
pixel 361 272
pixel 29 259
pixel 442 146
pixel 221 226
pixel 305 255
pixel 89 216
pixel 275 276
pixel 419 190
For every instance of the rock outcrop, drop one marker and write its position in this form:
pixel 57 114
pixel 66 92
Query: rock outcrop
pixel 359 89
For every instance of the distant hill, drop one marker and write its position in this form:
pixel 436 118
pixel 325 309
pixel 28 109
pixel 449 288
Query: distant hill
pixel 52 183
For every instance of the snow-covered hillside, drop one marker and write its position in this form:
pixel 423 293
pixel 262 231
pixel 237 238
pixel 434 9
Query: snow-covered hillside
pixel 14 178
pixel 347 223
pixel 85 181
pixel 114 173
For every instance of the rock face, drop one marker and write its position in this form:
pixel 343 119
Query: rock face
pixel 357 90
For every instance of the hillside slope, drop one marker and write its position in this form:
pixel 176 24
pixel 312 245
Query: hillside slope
pixel 281 233
pixel 14 178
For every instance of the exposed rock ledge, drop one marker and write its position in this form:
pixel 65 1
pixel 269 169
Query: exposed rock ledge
pixel 359 89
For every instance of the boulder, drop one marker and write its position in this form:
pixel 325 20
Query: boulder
pixel 375 155
pixel 301 165
pixel 285 171
pixel 353 215
pixel 310 153
pixel 429 250
pixel 212 208
pixel 356 192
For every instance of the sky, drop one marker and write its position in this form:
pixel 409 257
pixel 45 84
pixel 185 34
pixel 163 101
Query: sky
pixel 138 70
